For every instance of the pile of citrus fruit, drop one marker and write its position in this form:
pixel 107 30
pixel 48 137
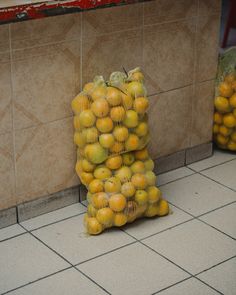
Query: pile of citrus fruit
pixel 111 133
pixel 224 128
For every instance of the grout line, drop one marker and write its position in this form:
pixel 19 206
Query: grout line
pixel 34 281
pixel 217 229
pixel 10 238
pixel 166 288
pixel 216 165
pixel 208 285
pixel 108 252
pixel 216 209
pixel 215 265
pixel 58 254
pixel 92 280
pixel 171 181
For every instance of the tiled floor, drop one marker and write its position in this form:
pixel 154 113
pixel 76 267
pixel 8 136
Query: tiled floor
pixel 191 251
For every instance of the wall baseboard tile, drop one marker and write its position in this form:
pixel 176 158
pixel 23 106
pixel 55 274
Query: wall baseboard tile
pixel 199 152
pixel 8 217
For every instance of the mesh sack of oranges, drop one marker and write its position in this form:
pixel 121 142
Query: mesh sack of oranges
pixel 224 128
pixel 111 133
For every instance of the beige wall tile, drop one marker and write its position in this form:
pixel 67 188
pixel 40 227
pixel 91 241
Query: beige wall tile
pixel 207 7
pixel 207 47
pixel 202 113
pixel 4 38
pixel 45 159
pixel 5 98
pixel 159 11
pixel 46 30
pixel 103 55
pixel 168 55
pixel 170 121
pixel 45 80
pixel 110 20
pixel 7 184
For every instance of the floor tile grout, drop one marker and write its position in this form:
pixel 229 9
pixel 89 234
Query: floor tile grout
pixel 210 166
pixel 16 236
pixel 186 176
pixel 215 265
pixel 218 208
pixel 163 289
pixel 208 285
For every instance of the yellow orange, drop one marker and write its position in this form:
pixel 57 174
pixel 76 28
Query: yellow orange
pixel 80 103
pixel 117 147
pixel 120 219
pixel 112 185
pixel 141 154
pixel 141 197
pixel 224 130
pixel 138 167
pixel 141 105
pixel 106 140
pixel 215 128
pixel 233 85
pixel 225 89
pixel 230 77
pixel 218 118
pixel 136 89
pixel 127 101
pixel 96 186
pixel 100 107
pixel 128 158
pixel 117 202
pixel 93 226
pixel 102 172
pixel 222 104
pixel 92 212
pixel 86 177
pixel 113 96
pixel 131 119
pixel 229 120
pixel 232 100
pixel 149 164
pixel 154 194
pixel 99 200
pixel 114 162
pixel 87 166
pixel 104 125
pixel 117 114
pixel 95 153
pixel 105 216
pixel 76 123
pixel 90 134
pixel 79 139
pixel 151 178
pixel 152 210
pixel 87 118
pixel 128 189
pixel 139 181
pixel 124 174
pixel 131 211
pixel 233 136
pixel 120 133
pixel 137 76
pixel 221 140
pixel 132 142
pixel 98 92
pixel 163 208
pixel 88 87
pixel 141 129
pixel 231 145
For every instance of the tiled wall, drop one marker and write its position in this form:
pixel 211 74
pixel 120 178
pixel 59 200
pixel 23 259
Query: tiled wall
pixel 43 64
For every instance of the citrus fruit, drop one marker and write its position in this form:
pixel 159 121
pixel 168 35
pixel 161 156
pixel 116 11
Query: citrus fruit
pixel 90 134
pixel 138 167
pixel 87 166
pixel 231 145
pixel 114 162
pixel 79 139
pixel 230 78
pixel 141 129
pixel 132 142
pixel 128 189
pixel 233 85
pixel 222 104
pixel 102 173
pixel 154 194
pixel 139 181
pixel 78 167
pixel 222 140
pixel 127 101
pixel 86 177
pixel 120 219
pixel 218 118
pixel 232 100
pixel 131 119
pixel 224 130
pixel 117 147
pixel 135 89
pixel 112 185
pixel 117 114
pixel 96 186
pixel 105 216
pixel 117 202
pixel 80 103
pixel 131 210
pixel 163 208
pixel 76 123
pixel 137 76
pixel 106 140
pixel 104 125
pixel 99 200
pixel 128 158
pixel 215 128
pixel 87 118
pixel 113 96
pixel 88 87
pixel 98 92
pixel 225 89
pixel 229 120
pixel 124 174
pixel 93 226
pixel 141 197
pixel 141 104
pixel 100 107
pixel 149 164
pixel 141 154
pixel 95 153
pixel 151 178
pixel 233 136
pixel 120 133
pixel 152 210
pixel 91 211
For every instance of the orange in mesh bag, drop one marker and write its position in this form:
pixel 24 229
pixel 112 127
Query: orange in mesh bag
pixel 224 128
pixel 111 133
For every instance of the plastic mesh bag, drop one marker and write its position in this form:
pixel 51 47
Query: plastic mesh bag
pixel 224 128
pixel 111 133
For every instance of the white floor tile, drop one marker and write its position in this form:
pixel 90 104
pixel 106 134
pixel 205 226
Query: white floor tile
pixel 225 174
pixel 53 216
pixel 193 246
pixel 173 175
pixel 69 239
pixel 197 194
pixel 10 231
pixel 66 282
pixel 218 157
pixel 132 270
pixel 222 277
pixel 224 219
pixel 24 259
pixel 192 286
pixel 149 226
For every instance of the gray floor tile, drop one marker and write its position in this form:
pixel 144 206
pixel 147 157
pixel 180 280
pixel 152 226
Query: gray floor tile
pixel 134 269
pixel 11 231
pixel 69 239
pixel 66 282
pixel 192 286
pixel 193 245
pixel 224 219
pixel 222 277
pixel 197 194
pixel 225 174
pixel 218 157
pixel 53 216
pixel 149 226
pixel 24 259
pixel 173 175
